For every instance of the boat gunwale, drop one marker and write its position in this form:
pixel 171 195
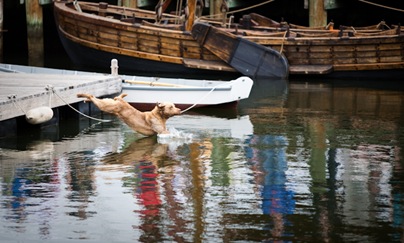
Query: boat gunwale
pixel 109 22
pixel 157 88
pixel 64 13
pixel 118 50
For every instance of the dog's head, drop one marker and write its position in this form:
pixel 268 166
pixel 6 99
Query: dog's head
pixel 167 109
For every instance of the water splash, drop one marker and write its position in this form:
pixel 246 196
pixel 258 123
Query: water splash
pixel 175 137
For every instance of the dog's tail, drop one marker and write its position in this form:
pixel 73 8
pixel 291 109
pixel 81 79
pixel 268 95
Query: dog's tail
pixel 120 97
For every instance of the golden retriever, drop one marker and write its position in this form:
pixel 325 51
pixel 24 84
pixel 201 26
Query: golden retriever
pixel 147 123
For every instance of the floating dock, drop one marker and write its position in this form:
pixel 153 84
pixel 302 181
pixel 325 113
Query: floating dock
pixel 24 91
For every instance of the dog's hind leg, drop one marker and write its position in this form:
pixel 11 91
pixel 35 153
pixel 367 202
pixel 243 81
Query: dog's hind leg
pixel 108 105
pixel 88 96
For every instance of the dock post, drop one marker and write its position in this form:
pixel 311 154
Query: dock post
pixel 1 30
pixel 317 13
pixel 114 67
pixel 215 8
pixel 34 33
pixel 129 3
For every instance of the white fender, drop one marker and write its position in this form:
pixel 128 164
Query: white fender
pixel 39 115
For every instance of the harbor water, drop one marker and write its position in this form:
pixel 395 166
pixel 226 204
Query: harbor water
pixel 299 161
pixel 303 160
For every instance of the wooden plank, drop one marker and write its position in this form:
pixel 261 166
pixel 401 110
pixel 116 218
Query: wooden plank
pixel 310 69
pixel 30 90
pixel 373 66
pixel 132 53
pixel 34 32
pixel 247 57
pixel 209 65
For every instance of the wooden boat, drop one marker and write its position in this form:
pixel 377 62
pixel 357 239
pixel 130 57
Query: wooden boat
pixel 245 56
pixel 94 33
pixel 145 92
pixel 141 43
pixel 341 52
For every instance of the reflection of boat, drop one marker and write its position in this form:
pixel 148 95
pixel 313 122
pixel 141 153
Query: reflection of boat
pixel 144 92
pixel 236 127
pixel 275 91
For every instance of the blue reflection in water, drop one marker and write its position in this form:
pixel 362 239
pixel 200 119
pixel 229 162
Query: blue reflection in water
pixel 19 195
pixel 277 200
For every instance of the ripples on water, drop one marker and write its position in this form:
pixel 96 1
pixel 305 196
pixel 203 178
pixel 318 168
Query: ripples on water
pixel 297 162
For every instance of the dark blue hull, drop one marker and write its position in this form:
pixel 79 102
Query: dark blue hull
pixel 86 57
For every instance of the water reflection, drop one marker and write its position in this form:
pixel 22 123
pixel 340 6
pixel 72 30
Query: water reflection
pixel 298 162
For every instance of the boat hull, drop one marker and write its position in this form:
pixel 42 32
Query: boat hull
pixel 247 57
pixel 145 92
pixel 90 39
pixel 93 58
pixel 160 49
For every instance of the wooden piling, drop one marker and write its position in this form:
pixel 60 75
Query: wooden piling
pixel 191 17
pixel 34 33
pixel 215 8
pixel 1 30
pixel 129 3
pixel 317 13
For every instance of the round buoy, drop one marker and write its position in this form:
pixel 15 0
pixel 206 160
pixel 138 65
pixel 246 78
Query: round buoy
pixel 39 115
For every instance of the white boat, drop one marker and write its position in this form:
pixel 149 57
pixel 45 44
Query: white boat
pixel 145 92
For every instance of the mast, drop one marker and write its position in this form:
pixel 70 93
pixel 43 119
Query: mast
pixel 191 4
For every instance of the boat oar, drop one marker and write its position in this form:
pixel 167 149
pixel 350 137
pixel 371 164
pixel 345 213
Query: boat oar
pixel 154 83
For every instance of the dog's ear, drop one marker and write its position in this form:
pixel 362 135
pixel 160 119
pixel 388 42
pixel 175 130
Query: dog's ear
pixel 160 105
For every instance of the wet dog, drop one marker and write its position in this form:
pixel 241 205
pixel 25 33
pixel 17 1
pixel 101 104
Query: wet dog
pixel 147 123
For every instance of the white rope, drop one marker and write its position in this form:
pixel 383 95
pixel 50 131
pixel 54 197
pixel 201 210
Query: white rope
pixel 283 42
pixel 382 6
pixel 51 88
pixel 12 98
pixel 203 97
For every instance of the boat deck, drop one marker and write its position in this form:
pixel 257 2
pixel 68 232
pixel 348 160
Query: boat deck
pixel 21 92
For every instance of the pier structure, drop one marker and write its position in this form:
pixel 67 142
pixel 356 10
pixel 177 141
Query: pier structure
pixel 23 92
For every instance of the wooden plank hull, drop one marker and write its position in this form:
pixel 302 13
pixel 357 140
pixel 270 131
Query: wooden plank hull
pixel 247 57
pixel 159 48
pixel 336 52
pixel 90 39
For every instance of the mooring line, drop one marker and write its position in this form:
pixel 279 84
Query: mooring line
pixel 12 97
pixel 382 6
pixel 203 97
pixel 50 88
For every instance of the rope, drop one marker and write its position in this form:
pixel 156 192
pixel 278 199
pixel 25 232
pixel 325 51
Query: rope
pixel 240 10
pixel 283 42
pixel 203 97
pixel 248 8
pixel 12 98
pixel 50 88
pixel 382 6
